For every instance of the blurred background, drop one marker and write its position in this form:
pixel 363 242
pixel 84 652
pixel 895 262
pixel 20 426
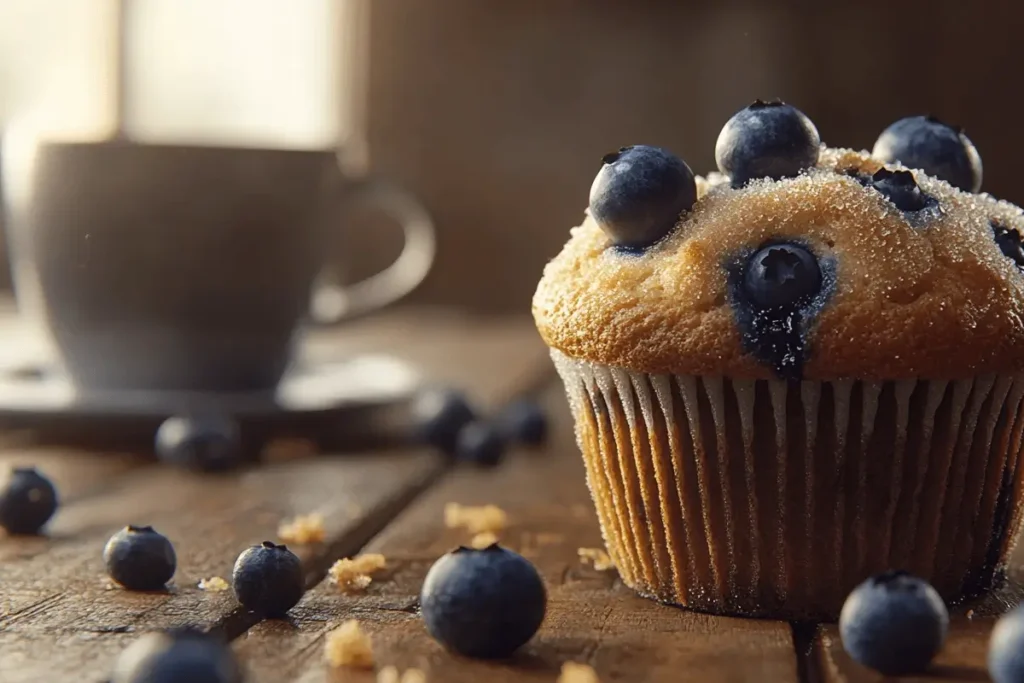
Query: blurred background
pixel 496 113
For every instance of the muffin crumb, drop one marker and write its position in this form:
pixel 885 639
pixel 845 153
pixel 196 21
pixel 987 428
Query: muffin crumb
pixel 214 584
pixel 349 646
pixel 353 574
pixel 475 519
pixel 596 556
pixel 573 672
pixel 303 530
pixel 484 539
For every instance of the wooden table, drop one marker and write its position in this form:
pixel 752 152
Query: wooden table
pixel 60 620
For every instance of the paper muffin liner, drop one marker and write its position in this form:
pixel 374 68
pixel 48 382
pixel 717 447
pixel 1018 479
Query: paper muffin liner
pixel 774 498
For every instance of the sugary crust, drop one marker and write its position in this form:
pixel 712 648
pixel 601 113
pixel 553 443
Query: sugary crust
pixel 932 298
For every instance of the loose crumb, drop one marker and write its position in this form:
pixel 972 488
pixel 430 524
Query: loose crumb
pixel 303 529
pixel 214 584
pixel 483 540
pixel 573 672
pixel 475 519
pixel 389 674
pixel 353 574
pixel 349 646
pixel 600 559
pixel 970 615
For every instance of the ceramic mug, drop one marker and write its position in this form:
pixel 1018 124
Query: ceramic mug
pixel 187 268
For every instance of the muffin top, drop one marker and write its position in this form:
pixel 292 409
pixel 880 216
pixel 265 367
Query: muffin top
pixel 796 261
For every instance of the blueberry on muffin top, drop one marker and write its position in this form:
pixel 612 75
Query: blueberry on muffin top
pixel 796 261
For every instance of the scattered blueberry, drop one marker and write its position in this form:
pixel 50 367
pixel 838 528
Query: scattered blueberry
pixel 767 140
pixel 139 558
pixel 900 188
pixel 481 443
pixel 268 579
pixel 640 193
pixel 483 603
pixel 938 149
pixel 207 443
pixel 439 415
pixel 179 656
pixel 27 501
pixel 524 421
pixel 1009 242
pixel 782 275
pixel 894 623
pixel 1006 648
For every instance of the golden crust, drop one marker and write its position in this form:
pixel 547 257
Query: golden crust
pixel 938 300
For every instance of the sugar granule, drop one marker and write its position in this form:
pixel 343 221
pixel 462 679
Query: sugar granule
pixel 597 556
pixel 303 529
pixel 353 574
pixel 573 672
pixel 475 519
pixel 483 540
pixel 214 584
pixel 349 646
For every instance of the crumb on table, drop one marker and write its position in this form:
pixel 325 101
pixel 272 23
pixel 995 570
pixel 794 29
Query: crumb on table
pixel 353 573
pixel 349 646
pixel 485 539
pixel 214 584
pixel 475 519
pixel 303 529
pixel 573 672
pixel 389 674
pixel 598 557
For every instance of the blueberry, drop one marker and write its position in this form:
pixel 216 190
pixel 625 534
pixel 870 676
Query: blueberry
pixel 268 579
pixel 481 443
pixel 940 150
pixel 207 443
pixel 767 140
pixel 179 656
pixel 27 501
pixel 1006 648
pixel 483 603
pixel 894 623
pixel 640 193
pixel 439 415
pixel 781 275
pixel 900 188
pixel 139 558
pixel 524 421
pixel 1009 242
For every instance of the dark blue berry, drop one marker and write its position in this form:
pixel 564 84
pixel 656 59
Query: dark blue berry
pixel 207 443
pixel 524 421
pixel 940 150
pixel 179 656
pixel 767 140
pixel 139 558
pixel 1009 242
pixel 1006 648
pixel 782 275
pixel 481 443
pixel 640 193
pixel 893 623
pixel 483 603
pixel 268 579
pixel 900 188
pixel 439 415
pixel 27 501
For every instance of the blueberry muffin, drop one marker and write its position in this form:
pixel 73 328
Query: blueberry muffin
pixel 797 372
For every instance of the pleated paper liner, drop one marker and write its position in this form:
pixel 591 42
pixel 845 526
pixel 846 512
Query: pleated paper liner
pixel 768 498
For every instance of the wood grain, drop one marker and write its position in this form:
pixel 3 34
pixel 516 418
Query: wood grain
pixel 61 620
pixel 591 617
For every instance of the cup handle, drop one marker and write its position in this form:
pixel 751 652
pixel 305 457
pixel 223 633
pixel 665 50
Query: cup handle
pixel 332 303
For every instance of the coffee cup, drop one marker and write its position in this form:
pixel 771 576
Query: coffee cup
pixel 188 268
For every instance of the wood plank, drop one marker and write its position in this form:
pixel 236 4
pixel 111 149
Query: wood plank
pixel 59 619
pixel 591 617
